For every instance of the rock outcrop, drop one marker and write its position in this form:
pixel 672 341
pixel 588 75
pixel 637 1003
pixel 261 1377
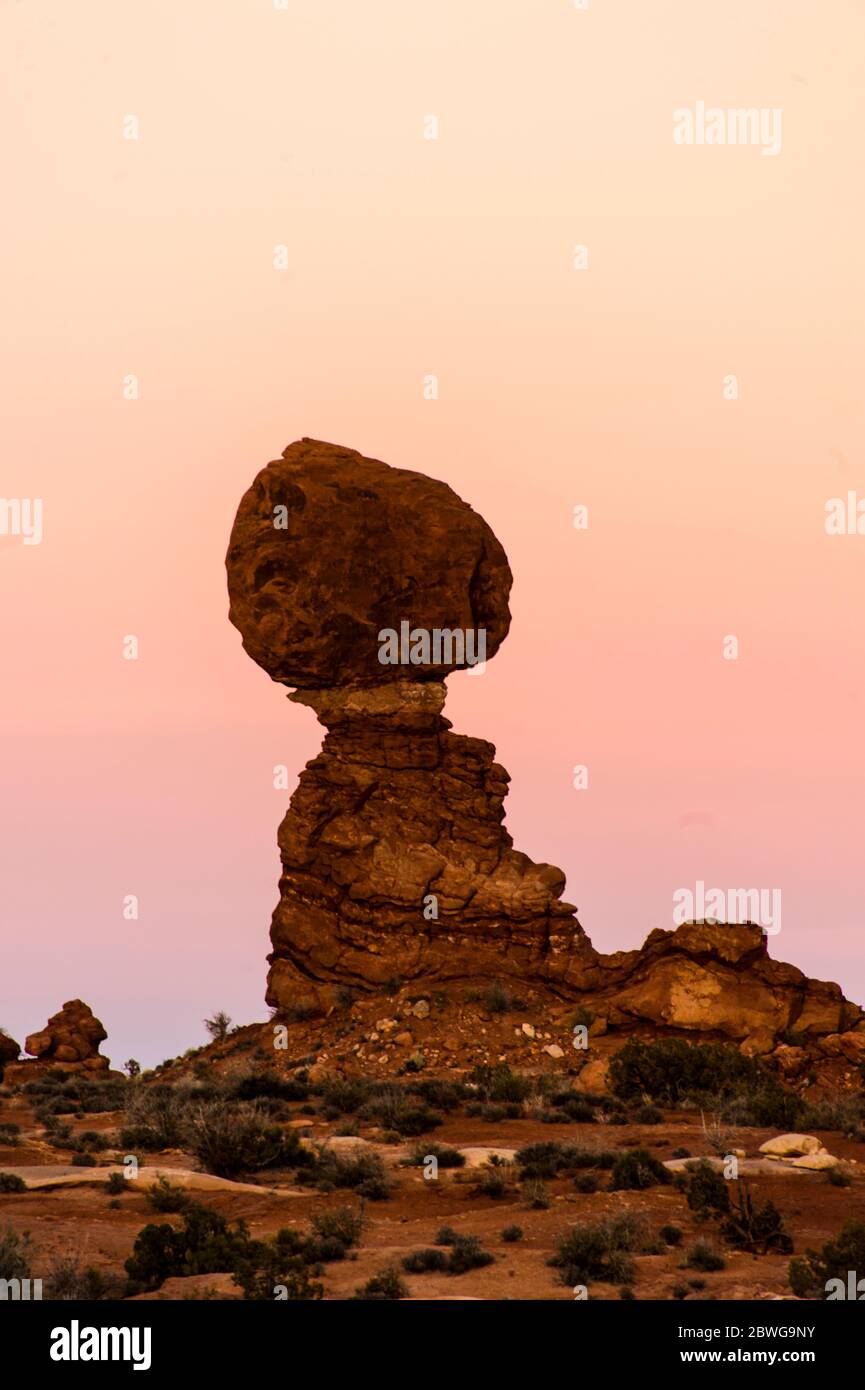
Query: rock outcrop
pixel 9 1050
pixel 70 1040
pixel 396 863
pixel 715 978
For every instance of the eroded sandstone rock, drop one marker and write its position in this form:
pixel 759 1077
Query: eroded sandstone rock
pixel 9 1050
pixel 396 864
pixel 71 1038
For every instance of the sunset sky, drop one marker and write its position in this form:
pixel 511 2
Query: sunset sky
pixel 153 257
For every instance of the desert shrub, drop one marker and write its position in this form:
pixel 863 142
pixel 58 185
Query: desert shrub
pixel 498 999
pixel 811 1273
pixel 58 1133
pixel 156 1118
pixel 68 1281
pixel 79 1160
pixel 218 1025
pixel 766 1105
pixel 50 1107
pixel 577 1109
pixel 638 1169
pixel 232 1139
pixel 844 1113
pixel 446 1236
pixel 274 1273
pixel 679 1291
pixel 204 1244
pixel 392 1108
pixel 708 1192
pixel 757 1229
pixel 10 1135
pixel 446 1156
pixel 423 1261
pixel 115 1184
pixel 648 1115
pixel 671 1235
pixel 388 1284
pixel 600 1250
pixel 837 1177
pixel 262 1268
pixel 671 1070
pixel 546 1160
pixel 266 1085
pixel 535 1195
pixel 361 1172
pixel 15 1252
pixel 499 1083
pixel 10 1182
pixel 439 1093
pixel 586 1183
pixel 465 1254
pixel 100 1097
pixel 702 1256
pixel 90 1141
pixel 511 1234
pixel 493 1183
pixel 165 1196
pixel 554 1117
pixel 494 1112
pixel 681 1153
pixel 343 1224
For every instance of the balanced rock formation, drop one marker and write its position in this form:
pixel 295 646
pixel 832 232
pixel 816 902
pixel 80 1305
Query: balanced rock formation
pixel 69 1041
pixel 395 860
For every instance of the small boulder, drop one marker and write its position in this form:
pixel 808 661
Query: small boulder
pixel 791 1145
pixel 593 1077
pixel 816 1161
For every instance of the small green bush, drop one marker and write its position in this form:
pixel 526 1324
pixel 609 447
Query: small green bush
pixel 702 1256
pixel 638 1169
pixel 386 1285
pixel 598 1251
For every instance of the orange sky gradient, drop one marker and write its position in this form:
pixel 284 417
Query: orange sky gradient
pixel 303 127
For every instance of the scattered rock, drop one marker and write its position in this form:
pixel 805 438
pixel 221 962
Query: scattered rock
pixel 593 1077
pixel 421 1009
pixel 553 1050
pixel 791 1145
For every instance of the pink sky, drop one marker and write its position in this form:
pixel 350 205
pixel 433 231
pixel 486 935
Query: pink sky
pixel 304 127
